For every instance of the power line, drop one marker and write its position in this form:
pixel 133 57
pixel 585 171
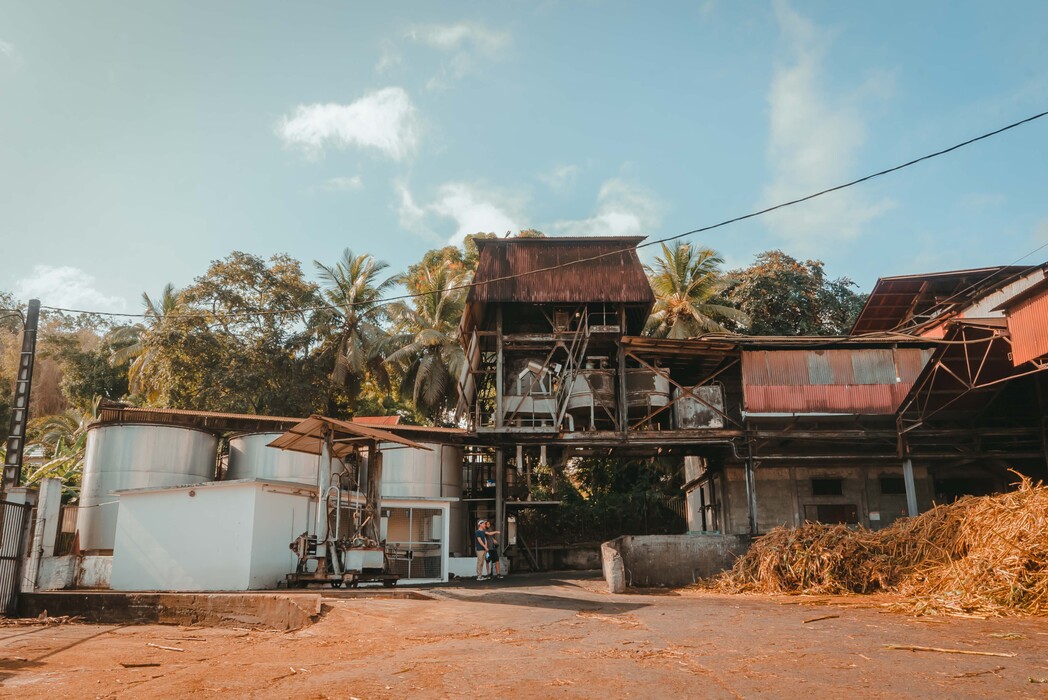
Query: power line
pixel 906 326
pixel 658 241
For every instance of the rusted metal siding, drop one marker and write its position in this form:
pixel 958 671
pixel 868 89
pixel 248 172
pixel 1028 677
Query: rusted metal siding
pixel 1028 327
pixel 861 381
pixel 617 277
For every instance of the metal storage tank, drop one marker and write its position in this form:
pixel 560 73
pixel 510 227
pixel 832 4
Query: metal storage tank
pixel 436 473
pixel 134 457
pixel 250 457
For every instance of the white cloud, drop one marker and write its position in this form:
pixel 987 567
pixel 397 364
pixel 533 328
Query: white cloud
pixel 67 287
pixel 623 209
pixel 472 208
pixel 344 184
pixel 815 142
pixel 561 178
pixel 386 121
pixel 468 44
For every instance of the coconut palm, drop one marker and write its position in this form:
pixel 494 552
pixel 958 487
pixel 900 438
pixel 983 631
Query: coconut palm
pixel 687 282
pixel 353 292
pixel 63 439
pixel 428 354
pixel 133 343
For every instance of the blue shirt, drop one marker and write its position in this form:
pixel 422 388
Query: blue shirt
pixel 480 536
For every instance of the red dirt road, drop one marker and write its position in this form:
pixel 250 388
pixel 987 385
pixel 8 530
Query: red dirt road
pixel 539 637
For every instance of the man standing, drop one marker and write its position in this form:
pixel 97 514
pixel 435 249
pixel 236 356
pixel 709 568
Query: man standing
pixel 480 541
pixel 492 555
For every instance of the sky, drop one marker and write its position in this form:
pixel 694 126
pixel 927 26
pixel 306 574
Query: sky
pixel 140 140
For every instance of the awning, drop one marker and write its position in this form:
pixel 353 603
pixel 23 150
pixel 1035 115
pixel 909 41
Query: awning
pixel 308 436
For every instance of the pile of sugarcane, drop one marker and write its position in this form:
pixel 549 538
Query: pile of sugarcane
pixel 985 555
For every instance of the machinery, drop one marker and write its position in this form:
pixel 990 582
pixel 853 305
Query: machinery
pixel 345 546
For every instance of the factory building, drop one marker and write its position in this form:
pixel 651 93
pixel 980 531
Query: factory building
pixel 939 391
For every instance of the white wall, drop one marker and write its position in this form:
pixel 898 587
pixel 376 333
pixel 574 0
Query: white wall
pixel 171 540
pixel 227 536
pixel 280 517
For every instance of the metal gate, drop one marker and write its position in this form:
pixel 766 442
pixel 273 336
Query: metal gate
pixel 12 547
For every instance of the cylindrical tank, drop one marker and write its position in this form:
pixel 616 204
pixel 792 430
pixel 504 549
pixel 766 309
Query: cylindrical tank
pixel 407 472
pixel 646 391
pixel 135 457
pixel 433 473
pixel 250 457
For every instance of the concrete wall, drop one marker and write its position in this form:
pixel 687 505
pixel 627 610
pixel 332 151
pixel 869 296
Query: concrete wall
pixel 784 492
pixel 72 571
pixel 649 561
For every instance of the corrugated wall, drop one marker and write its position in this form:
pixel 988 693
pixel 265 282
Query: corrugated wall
pixel 1028 327
pixel 862 381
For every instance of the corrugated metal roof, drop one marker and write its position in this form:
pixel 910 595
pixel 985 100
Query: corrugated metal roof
pixel 864 381
pixel 1028 325
pixel 897 300
pixel 516 270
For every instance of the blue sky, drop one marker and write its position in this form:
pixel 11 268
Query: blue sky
pixel 140 140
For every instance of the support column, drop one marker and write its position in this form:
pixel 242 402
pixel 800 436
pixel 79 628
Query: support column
pixel 45 530
pixel 373 506
pixel 500 485
pixel 911 489
pixel 499 368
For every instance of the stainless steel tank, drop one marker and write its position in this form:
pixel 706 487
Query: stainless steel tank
pixel 250 457
pixel 433 473
pixel 134 457
pixel 699 407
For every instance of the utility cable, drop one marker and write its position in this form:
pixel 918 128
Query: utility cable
pixel 506 278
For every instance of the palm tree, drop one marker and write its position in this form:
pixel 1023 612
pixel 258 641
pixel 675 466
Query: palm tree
pixel 63 437
pixel 429 356
pixel 687 282
pixel 353 316
pixel 134 346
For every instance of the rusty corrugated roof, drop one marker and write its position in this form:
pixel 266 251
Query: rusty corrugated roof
pixel 512 270
pixel 1027 315
pixel 862 381
pixel 899 300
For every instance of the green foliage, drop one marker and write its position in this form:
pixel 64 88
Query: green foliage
pixel 602 498
pixel 350 327
pixel 688 283
pixel 784 296
pixel 238 341
pixel 428 357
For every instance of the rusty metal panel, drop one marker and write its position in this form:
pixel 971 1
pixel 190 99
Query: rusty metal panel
pixel 867 381
pixel 1028 326
pixel 597 269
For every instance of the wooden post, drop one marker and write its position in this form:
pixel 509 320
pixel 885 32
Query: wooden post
pixel 499 368
pixel 373 505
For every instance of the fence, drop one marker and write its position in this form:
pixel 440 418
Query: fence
pixel 12 547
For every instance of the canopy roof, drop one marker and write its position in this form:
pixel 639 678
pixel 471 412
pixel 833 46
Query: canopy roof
pixel 308 436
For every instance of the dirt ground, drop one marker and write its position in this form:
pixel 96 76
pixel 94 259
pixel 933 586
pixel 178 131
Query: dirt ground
pixel 538 637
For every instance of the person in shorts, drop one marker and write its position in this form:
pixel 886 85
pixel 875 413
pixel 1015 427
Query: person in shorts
pixel 480 541
pixel 492 555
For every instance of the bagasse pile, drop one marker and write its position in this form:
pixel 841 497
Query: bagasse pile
pixel 979 555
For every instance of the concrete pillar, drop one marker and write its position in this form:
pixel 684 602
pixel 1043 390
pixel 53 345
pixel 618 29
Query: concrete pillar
pixel 500 493
pixel 45 530
pixel 911 489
